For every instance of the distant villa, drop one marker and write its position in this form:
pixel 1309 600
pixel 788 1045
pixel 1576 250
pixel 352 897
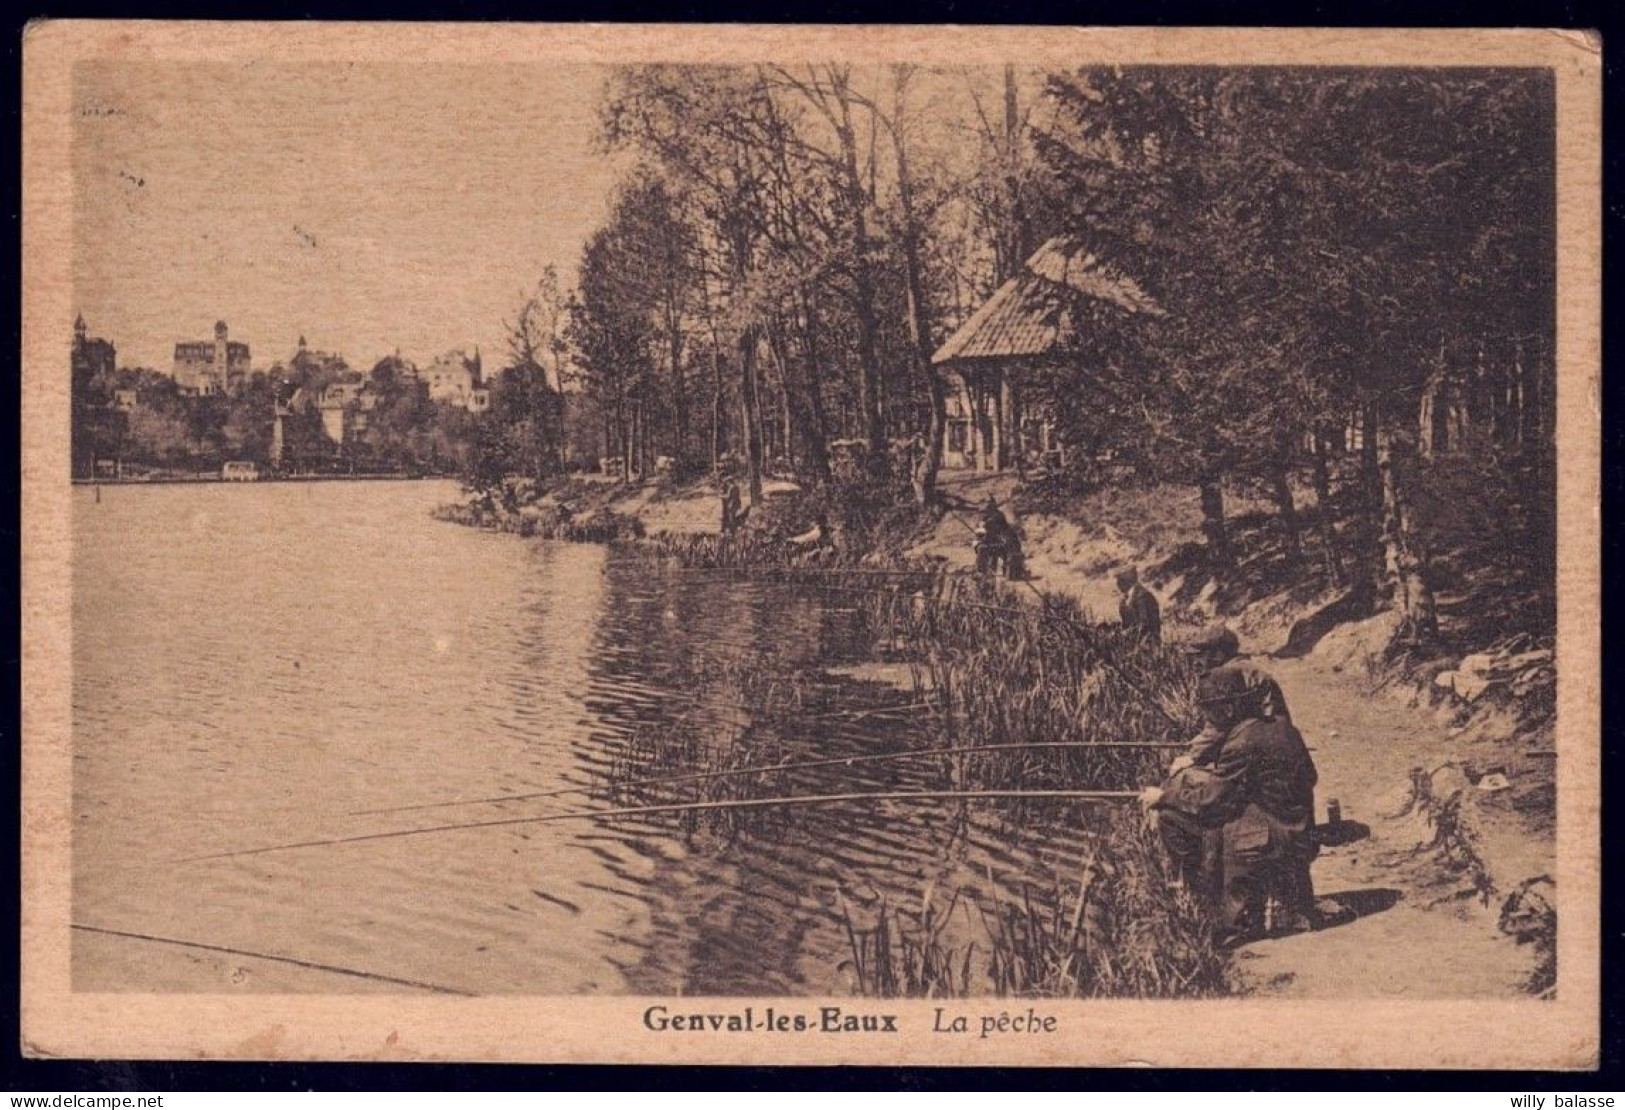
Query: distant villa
pixel 203 367
pixel 457 380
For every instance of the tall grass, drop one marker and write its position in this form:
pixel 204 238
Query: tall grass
pixel 998 671
pixel 1118 928
pixel 910 954
pixel 991 665
pixel 602 525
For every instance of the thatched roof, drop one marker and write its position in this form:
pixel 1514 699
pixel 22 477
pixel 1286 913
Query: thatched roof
pixel 1026 315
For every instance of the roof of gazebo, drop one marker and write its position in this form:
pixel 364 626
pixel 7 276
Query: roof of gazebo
pixel 1024 316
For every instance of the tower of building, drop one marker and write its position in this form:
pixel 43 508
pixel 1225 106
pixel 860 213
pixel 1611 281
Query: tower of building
pixel 222 353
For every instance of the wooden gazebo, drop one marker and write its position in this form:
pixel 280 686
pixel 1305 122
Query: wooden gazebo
pixel 1025 323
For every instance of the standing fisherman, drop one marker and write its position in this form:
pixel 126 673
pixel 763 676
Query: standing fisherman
pixel 730 506
pixel 1137 606
pixel 1258 794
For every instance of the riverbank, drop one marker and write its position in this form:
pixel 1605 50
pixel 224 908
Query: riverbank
pixel 184 479
pixel 1447 800
pixel 1445 767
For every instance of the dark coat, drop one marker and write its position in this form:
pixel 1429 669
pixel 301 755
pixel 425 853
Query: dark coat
pixel 1259 794
pixel 1262 762
pixel 1138 609
pixel 996 528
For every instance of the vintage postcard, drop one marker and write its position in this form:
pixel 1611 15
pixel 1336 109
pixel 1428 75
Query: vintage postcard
pixel 811 545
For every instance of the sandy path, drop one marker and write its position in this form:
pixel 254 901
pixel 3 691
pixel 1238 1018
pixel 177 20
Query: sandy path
pixel 1427 943
pixel 1415 938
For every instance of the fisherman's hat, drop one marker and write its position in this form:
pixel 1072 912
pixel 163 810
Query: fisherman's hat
pixel 1223 685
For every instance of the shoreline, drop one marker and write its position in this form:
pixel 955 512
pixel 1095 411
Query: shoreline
pixel 1450 827
pixel 203 479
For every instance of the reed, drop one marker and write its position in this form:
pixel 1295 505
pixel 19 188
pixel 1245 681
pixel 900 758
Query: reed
pixel 1118 929
pixel 599 526
pixel 908 953
pixel 996 670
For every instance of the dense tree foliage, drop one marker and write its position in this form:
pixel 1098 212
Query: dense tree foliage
pixel 1347 279
pixel 1337 259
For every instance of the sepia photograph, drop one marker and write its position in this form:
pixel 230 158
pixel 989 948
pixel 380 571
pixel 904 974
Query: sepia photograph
pixel 729 545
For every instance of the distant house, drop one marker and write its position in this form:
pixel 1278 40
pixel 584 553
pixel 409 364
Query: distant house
pixel 454 378
pixel 346 407
pixel 124 399
pixel 342 393
pixel 205 367
pixel 334 419
pixel 995 358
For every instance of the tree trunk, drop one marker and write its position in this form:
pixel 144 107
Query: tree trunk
pixel 1285 509
pixel 1370 478
pixel 1323 476
pixel 719 427
pixel 1016 238
pixel 816 434
pixel 1323 508
pixel 1405 562
pixel 925 471
pixel 750 413
pixel 719 424
pixel 779 344
pixel 1368 519
pixel 679 390
pixel 1213 524
pixel 919 306
pixel 625 432
pixel 646 451
pixel 874 432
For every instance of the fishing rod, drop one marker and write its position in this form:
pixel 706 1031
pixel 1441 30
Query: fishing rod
pixel 690 807
pixel 295 962
pixel 803 765
pixel 809 572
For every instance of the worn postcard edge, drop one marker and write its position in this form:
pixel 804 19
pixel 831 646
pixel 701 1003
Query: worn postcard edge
pixel 1521 1034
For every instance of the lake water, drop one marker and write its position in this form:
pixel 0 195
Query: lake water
pixel 258 665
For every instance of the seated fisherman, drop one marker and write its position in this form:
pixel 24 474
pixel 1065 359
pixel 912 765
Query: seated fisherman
pixel 997 542
pixel 1216 648
pixel 1259 793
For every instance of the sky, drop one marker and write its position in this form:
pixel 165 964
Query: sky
pixel 368 207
